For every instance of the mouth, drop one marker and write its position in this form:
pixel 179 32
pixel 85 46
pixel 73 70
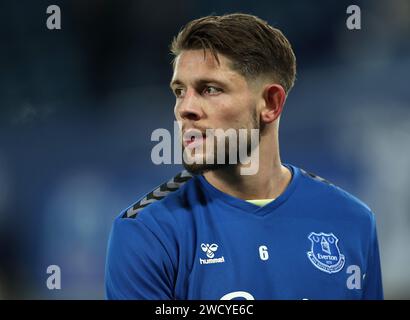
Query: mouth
pixel 193 138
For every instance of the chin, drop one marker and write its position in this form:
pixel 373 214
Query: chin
pixel 196 169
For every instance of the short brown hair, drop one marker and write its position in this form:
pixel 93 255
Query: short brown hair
pixel 254 47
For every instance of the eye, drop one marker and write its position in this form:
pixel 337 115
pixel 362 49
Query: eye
pixel 179 92
pixel 212 90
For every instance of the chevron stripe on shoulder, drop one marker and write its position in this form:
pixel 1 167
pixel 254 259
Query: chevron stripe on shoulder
pixel 158 193
pixel 315 177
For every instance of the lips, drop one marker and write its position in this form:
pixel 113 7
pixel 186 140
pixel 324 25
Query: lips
pixel 192 138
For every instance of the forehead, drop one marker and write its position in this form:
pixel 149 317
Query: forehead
pixel 195 64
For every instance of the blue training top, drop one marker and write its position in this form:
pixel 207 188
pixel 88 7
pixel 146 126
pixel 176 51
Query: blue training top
pixel 188 240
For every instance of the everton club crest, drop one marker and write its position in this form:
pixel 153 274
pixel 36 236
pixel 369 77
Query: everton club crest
pixel 325 254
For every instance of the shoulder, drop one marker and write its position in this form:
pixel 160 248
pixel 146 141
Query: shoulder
pixel 170 190
pixel 164 205
pixel 156 219
pixel 327 194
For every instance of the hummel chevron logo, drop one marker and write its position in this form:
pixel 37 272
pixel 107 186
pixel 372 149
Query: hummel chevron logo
pixel 159 193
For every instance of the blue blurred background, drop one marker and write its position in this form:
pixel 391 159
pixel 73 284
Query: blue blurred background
pixel 78 106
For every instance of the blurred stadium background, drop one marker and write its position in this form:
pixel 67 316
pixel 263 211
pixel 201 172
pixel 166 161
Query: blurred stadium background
pixel 78 106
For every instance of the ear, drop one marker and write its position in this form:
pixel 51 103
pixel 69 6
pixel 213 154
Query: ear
pixel 274 96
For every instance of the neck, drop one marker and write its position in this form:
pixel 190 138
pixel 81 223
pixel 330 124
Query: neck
pixel 269 182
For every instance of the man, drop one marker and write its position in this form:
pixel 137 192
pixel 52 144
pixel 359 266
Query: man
pixel 213 232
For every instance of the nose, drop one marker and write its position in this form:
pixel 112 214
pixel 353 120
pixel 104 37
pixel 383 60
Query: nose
pixel 189 108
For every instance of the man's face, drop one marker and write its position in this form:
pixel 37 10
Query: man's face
pixel 210 96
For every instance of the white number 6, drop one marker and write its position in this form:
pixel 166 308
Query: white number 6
pixel 263 253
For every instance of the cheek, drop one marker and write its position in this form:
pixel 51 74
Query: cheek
pixel 238 117
pixel 232 111
pixel 176 110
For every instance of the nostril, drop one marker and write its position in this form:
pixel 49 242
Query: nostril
pixel 190 115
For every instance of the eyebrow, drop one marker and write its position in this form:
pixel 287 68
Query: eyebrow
pixel 199 82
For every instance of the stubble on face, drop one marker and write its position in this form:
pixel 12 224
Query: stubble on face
pixel 209 161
